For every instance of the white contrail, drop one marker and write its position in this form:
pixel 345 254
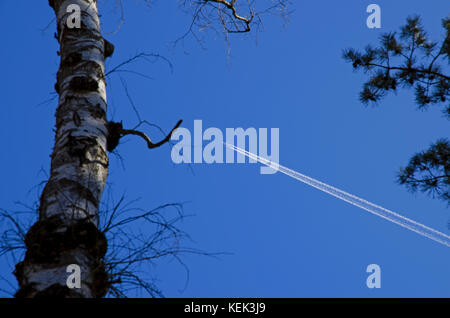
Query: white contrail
pixel 352 199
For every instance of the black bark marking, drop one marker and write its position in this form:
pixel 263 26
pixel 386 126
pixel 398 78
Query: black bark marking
pixel 76 119
pixel 72 59
pixel 83 83
pixel 108 48
pixel 97 111
pixel 74 103
pixel 50 241
pixel 26 290
pixel 114 134
pixel 77 187
pixel 78 147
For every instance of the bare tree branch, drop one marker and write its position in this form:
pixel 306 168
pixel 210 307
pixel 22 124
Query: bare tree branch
pixel 228 17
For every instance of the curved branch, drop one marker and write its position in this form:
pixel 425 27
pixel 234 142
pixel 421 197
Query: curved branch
pixel 150 144
pixel 230 6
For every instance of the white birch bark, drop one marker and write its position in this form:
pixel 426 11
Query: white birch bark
pixel 66 232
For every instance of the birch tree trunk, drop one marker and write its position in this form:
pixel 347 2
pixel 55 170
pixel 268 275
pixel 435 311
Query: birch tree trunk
pixel 67 229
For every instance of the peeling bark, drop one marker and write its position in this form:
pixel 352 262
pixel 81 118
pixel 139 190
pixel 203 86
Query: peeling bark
pixel 66 232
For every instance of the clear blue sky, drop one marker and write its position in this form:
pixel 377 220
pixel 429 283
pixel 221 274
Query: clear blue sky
pixel 286 239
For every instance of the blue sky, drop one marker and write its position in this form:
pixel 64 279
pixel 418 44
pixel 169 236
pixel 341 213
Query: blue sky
pixel 285 239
